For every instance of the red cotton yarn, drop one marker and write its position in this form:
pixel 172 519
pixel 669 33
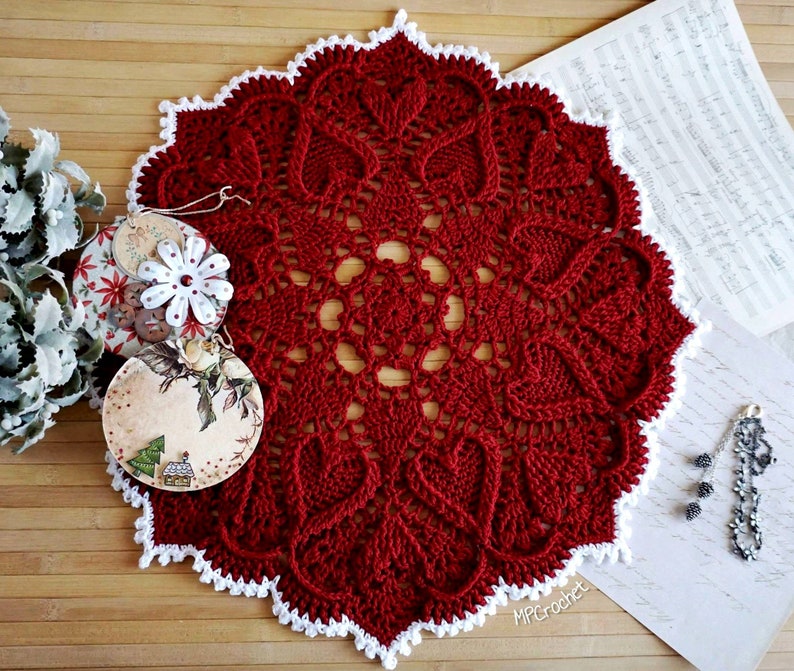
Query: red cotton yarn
pixel 457 325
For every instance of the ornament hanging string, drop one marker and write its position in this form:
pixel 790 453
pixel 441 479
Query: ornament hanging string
pixel 137 245
pixel 184 210
pixel 218 339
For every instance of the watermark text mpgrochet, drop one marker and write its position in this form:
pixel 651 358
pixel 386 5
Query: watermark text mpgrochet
pixel 539 613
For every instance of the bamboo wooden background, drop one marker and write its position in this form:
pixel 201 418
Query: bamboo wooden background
pixel 71 595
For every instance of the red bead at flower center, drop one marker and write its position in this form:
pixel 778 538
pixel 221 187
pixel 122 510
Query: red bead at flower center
pixel 186 280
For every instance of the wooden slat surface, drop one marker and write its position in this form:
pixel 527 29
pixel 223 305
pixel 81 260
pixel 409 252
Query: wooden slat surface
pixel 71 594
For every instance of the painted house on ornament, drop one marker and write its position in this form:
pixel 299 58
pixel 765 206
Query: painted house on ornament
pixel 178 473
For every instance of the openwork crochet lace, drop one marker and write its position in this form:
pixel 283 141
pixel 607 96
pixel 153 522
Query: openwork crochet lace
pixel 456 323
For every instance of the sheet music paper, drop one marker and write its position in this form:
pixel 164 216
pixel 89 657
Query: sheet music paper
pixel 684 583
pixel 707 140
pixel 705 137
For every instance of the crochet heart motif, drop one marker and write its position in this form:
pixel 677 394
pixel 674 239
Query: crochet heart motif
pixel 458 326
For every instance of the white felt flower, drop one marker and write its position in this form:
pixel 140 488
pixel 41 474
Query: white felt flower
pixel 185 280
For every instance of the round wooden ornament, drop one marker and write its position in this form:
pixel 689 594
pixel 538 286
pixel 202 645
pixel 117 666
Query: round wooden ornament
pixel 137 237
pixel 183 415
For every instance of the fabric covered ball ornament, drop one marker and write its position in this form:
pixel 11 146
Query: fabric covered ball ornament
pixel 107 283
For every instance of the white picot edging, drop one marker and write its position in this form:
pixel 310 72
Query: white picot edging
pixel 501 592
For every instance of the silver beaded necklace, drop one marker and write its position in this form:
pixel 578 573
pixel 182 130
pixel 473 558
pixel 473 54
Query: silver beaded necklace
pixel 755 455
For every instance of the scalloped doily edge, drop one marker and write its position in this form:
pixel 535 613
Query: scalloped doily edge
pixel 501 592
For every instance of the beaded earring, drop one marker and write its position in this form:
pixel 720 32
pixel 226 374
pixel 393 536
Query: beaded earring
pixel 755 455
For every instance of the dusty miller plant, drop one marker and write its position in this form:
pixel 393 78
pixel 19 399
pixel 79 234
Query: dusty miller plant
pixel 44 348
pixel 44 345
pixel 38 203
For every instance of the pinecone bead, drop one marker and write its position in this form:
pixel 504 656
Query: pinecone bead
pixel 693 510
pixel 702 460
pixel 705 489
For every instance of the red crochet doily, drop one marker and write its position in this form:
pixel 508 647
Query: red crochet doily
pixel 456 323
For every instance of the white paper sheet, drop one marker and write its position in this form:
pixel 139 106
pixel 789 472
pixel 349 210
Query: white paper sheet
pixel 684 583
pixel 704 135
pixel 708 142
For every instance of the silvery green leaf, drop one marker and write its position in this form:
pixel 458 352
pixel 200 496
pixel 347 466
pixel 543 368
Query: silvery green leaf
pixel 47 316
pixel 8 336
pixel 34 432
pixel 73 170
pixel 14 155
pixel 63 342
pixel 53 189
pixel 31 385
pixel 12 287
pixel 95 199
pixel 9 392
pixel 62 237
pixel 68 366
pixel 34 271
pixel 5 124
pixel 4 196
pixel 6 313
pixel 62 339
pixel 77 222
pixel 61 347
pixel 93 353
pixel 68 204
pixel 9 357
pixel 76 315
pixel 69 399
pixel 48 365
pixel 42 156
pixel 34 184
pixel 8 273
pixel 8 177
pixel 23 250
pixel 19 212
pixel 18 431
pixel 28 308
pixel 72 391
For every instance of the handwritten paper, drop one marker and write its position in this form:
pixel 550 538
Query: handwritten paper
pixel 684 583
pixel 707 140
